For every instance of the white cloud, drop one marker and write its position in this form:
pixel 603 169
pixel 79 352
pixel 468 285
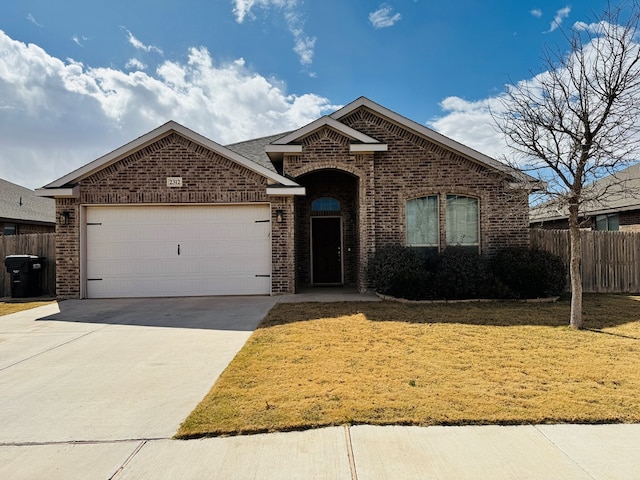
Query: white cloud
pixel 471 123
pixel 384 17
pixel 137 44
pixel 57 115
pixel 536 12
pixel 242 8
pixel 78 40
pixel 33 20
pixel 304 46
pixel 557 20
pixel 135 64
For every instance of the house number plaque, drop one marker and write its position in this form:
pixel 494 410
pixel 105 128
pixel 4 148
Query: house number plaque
pixel 174 181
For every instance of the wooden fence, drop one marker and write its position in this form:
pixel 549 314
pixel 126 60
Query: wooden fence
pixel 610 260
pixel 40 244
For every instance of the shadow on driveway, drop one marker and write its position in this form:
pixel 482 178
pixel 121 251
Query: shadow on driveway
pixel 210 313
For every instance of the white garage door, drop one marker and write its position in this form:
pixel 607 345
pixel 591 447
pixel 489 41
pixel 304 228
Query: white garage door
pixel 162 251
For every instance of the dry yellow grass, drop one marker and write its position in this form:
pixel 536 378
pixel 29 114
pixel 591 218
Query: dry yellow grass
pixel 12 307
pixel 311 365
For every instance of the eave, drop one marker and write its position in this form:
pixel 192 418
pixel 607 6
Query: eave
pixel 69 192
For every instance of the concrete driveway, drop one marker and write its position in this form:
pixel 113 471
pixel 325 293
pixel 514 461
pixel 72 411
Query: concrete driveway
pixel 105 370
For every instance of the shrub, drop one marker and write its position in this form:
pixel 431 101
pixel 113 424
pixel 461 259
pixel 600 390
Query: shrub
pixel 529 273
pixel 462 273
pixel 398 271
pixel 414 274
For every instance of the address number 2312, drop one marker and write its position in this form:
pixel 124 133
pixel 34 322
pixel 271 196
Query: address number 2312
pixel 174 181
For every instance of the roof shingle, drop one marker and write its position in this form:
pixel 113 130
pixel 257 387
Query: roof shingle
pixel 23 205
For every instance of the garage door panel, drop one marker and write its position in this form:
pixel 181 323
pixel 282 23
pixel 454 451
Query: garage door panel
pixel 178 250
pixel 214 267
pixel 165 286
pixel 132 250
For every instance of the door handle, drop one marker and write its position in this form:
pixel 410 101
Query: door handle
pixel 178 249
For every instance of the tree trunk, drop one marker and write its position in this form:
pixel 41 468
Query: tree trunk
pixel 574 268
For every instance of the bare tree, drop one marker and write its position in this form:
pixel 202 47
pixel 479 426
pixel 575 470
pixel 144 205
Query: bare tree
pixel 577 121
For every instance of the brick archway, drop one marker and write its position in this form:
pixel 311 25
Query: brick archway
pixel 344 188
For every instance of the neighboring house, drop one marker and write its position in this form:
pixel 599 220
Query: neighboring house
pixel 173 213
pixel 618 208
pixel 22 211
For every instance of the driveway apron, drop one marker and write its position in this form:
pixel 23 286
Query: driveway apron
pixel 115 370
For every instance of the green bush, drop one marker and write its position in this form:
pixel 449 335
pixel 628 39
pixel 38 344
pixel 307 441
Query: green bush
pixel 414 274
pixel 462 273
pixel 529 273
pixel 398 271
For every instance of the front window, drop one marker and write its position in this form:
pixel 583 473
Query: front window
pixel 462 221
pixel 609 222
pixel 422 222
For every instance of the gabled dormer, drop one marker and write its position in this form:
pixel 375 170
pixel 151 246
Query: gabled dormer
pixel 292 143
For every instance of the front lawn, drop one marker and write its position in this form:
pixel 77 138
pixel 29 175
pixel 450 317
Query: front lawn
pixel 310 365
pixel 17 306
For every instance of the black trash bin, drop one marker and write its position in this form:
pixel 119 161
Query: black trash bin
pixel 25 271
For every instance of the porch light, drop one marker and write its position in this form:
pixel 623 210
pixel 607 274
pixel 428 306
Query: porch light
pixel 64 217
pixel 279 216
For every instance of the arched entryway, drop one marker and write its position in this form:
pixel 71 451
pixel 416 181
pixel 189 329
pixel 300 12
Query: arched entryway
pixel 327 229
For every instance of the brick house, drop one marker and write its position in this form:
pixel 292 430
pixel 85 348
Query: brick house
pixel 173 213
pixel 22 211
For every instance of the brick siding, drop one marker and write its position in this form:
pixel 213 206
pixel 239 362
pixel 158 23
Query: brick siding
pixel 140 178
pixel 373 189
pixel 374 213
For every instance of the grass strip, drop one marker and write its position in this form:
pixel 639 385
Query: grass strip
pixel 16 306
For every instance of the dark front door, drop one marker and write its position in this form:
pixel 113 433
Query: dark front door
pixel 326 250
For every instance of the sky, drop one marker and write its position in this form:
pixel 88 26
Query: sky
pixel 79 79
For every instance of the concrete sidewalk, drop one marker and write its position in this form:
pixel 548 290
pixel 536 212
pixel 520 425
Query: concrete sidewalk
pixel 362 452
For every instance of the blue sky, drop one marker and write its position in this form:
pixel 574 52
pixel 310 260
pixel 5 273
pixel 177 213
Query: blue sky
pixel 79 79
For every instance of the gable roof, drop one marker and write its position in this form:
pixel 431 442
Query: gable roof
pixel 434 137
pixel 619 192
pixel 64 184
pixel 291 143
pixel 329 122
pixel 256 154
pixel 22 205
pixel 254 149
